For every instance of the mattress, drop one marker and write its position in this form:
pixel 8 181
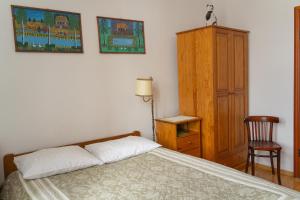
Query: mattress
pixel 159 174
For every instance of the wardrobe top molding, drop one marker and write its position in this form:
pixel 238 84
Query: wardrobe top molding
pixel 212 26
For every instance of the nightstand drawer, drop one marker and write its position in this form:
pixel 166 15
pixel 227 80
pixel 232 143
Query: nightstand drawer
pixel 188 142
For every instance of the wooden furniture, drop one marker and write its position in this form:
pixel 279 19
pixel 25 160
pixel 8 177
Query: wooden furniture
pixel 180 133
pixel 8 160
pixel 260 138
pixel 213 84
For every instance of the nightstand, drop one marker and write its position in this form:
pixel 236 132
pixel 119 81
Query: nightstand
pixel 180 133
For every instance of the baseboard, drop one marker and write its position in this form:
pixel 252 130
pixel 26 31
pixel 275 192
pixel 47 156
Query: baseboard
pixel 266 168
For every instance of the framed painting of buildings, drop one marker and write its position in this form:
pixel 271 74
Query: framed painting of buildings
pixel 121 35
pixel 44 30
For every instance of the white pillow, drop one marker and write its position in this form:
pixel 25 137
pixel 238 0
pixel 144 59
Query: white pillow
pixel 115 150
pixel 48 162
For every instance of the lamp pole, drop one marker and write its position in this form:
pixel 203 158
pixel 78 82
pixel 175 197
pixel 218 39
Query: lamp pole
pixel 153 125
pixel 151 99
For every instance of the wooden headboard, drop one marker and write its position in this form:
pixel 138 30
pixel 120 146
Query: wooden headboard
pixel 8 160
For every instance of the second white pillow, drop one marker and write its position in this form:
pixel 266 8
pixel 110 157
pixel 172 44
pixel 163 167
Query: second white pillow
pixel 115 150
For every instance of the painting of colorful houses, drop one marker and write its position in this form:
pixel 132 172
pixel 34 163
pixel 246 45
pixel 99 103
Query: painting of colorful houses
pixel 121 35
pixel 41 30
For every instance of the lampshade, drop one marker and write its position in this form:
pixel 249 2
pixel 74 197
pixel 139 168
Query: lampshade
pixel 143 87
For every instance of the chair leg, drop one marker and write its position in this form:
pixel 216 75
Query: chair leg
pixel 247 162
pixel 278 167
pixel 252 162
pixel 272 163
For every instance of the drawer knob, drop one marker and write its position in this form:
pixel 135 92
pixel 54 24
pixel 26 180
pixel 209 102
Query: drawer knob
pixel 189 142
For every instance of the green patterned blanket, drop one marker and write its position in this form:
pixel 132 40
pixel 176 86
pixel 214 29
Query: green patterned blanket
pixel 160 174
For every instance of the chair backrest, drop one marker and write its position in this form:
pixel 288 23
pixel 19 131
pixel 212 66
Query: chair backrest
pixel 260 128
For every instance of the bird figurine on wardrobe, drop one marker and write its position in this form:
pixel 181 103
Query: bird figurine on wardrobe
pixel 211 18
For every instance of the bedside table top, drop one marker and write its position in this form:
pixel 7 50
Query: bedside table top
pixel 179 119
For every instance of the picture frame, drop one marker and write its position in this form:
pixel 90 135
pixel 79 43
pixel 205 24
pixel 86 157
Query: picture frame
pixel 121 36
pixel 46 30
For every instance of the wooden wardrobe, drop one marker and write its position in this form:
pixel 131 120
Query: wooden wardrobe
pixel 213 85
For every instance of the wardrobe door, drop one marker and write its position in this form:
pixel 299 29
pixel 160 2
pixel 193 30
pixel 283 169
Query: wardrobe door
pixel 186 73
pixel 222 124
pixel 223 100
pixel 239 90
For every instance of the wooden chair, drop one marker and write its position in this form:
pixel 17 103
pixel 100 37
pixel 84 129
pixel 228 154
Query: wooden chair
pixel 260 138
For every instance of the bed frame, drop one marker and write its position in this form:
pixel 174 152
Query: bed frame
pixel 8 160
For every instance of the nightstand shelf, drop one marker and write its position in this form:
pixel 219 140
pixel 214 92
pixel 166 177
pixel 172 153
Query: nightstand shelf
pixel 180 133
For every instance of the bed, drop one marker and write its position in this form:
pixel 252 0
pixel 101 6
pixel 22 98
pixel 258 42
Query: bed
pixel 158 174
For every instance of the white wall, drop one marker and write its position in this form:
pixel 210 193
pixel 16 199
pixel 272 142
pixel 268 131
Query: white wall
pixel 271 43
pixel 55 99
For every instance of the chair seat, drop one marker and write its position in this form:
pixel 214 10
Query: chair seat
pixel 264 146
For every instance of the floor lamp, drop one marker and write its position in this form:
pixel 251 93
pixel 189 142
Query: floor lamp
pixel 144 90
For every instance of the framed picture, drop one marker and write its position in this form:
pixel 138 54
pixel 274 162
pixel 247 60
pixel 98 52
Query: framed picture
pixel 121 35
pixel 44 30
